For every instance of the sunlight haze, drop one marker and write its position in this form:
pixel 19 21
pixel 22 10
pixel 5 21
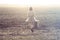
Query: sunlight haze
pixel 31 2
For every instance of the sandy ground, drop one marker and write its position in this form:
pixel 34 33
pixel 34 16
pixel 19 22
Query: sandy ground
pixel 17 33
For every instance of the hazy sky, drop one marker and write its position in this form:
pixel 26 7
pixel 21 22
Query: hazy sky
pixel 31 2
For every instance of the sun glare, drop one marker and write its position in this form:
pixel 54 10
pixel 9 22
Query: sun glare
pixel 31 2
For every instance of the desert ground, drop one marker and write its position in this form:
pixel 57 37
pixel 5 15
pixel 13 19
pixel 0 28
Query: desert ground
pixel 13 26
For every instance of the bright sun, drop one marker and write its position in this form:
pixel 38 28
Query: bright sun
pixel 31 2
